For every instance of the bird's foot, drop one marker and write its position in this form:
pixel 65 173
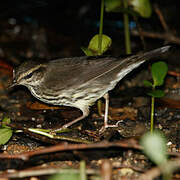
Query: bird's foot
pixel 103 128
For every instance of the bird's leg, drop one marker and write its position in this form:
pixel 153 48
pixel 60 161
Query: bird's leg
pixel 106 97
pixel 106 125
pixel 85 114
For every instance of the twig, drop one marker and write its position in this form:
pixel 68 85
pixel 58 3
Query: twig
pixel 173 73
pixel 165 36
pixel 43 171
pixel 155 172
pixel 161 18
pixel 140 32
pixel 130 143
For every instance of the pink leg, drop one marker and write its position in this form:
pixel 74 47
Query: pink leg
pixel 106 125
pixel 106 97
pixel 85 114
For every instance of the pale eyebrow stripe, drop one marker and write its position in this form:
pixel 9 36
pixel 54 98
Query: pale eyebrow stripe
pixel 30 71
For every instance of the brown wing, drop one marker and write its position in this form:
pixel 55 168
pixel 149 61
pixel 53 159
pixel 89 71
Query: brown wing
pixel 73 72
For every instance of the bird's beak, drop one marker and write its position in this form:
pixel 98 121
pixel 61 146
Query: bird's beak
pixel 14 83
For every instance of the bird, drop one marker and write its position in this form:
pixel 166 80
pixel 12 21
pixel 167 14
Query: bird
pixel 78 81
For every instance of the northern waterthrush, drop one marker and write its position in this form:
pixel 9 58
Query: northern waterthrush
pixel 79 81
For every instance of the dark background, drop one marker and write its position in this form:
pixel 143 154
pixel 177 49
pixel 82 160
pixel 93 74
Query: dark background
pixel 50 29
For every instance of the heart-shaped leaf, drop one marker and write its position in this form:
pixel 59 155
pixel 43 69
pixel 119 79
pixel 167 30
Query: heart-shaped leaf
pixel 159 71
pixel 113 5
pixel 94 44
pixel 155 147
pixel 142 7
pixel 5 135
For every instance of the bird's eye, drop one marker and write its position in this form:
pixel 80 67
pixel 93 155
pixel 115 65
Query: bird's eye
pixel 28 76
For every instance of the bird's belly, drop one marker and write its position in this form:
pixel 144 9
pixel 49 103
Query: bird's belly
pixel 85 95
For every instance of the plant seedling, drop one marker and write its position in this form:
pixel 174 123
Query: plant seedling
pixel 135 8
pixel 98 45
pixel 154 146
pixel 159 71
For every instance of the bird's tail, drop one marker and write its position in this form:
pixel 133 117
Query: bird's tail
pixel 155 52
pixel 122 68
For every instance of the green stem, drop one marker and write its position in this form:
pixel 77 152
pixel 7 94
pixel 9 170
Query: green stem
pixel 100 46
pixel 126 30
pixel 83 170
pixel 152 114
pixel 152 109
pixel 101 28
pixel 99 106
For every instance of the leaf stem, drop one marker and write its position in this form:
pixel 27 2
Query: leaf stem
pixel 101 28
pixel 152 109
pixel 152 114
pixel 100 45
pixel 126 29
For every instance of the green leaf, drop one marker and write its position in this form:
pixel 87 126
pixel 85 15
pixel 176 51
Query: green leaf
pixel 142 7
pixel 159 71
pixel 5 121
pixel 93 44
pixel 5 135
pixel 147 83
pixel 113 5
pixel 155 147
pixel 157 93
pixel 87 51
